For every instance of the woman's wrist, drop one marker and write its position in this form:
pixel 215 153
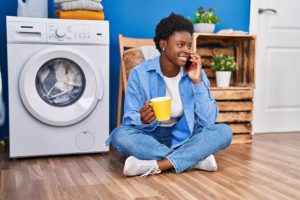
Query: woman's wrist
pixel 196 81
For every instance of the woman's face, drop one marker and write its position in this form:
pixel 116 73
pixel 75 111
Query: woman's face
pixel 178 47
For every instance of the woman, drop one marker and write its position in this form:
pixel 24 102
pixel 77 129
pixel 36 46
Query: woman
pixel 191 137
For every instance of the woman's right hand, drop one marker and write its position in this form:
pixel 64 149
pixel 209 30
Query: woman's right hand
pixel 147 114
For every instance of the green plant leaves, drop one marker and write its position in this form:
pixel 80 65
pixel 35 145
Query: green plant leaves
pixel 223 63
pixel 203 16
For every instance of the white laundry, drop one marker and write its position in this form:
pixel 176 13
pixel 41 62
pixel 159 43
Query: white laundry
pixel 61 1
pixel 66 78
pixel 74 77
pixel 81 5
pixel 43 74
pixel 149 52
pixel 61 78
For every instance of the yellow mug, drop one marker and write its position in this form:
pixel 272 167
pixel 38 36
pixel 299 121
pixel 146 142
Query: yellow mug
pixel 162 108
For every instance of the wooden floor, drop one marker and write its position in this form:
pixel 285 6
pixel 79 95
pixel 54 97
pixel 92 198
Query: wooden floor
pixel 267 169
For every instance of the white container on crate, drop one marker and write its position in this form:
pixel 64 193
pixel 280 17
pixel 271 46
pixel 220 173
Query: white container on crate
pixel 33 8
pixel 223 78
pixel 204 28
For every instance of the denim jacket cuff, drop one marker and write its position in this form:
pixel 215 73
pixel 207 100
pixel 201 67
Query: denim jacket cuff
pixel 149 127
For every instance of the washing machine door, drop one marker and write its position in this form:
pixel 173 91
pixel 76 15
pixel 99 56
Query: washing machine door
pixel 60 85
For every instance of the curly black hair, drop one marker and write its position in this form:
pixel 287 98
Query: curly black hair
pixel 167 26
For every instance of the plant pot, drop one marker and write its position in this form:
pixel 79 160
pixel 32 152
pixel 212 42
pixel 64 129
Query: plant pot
pixel 204 28
pixel 223 78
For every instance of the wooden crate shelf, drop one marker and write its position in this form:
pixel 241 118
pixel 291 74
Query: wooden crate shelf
pixel 235 106
pixel 232 93
pixel 242 139
pixel 241 128
pixel 235 103
pixel 232 117
pixel 242 47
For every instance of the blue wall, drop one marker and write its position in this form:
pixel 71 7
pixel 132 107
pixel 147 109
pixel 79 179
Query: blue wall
pixel 136 18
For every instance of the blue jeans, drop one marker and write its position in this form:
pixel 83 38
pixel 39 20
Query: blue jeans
pixel 155 145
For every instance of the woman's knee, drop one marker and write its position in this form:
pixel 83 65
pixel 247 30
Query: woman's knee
pixel 225 133
pixel 119 140
pixel 118 137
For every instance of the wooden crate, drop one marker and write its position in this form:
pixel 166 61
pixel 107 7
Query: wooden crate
pixel 242 47
pixel 236 102
pixel 235 109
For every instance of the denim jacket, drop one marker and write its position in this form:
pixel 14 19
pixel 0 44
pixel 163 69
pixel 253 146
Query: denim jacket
pixel 146 81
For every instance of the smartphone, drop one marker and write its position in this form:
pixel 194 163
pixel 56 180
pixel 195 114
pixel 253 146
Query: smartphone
pixel 188 65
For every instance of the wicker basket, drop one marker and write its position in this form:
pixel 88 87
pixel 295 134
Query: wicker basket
pixel 132 57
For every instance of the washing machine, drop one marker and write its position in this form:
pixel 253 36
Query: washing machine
pixel 58 76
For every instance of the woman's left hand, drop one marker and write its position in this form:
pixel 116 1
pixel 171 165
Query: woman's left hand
pixel 195 72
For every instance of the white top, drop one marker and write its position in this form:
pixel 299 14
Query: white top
pixel 172 90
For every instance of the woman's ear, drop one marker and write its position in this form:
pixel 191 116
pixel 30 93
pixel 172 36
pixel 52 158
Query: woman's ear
pixel 162 44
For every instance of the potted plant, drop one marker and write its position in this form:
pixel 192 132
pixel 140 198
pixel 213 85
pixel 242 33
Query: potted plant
pixel 204 21
pixel 223 65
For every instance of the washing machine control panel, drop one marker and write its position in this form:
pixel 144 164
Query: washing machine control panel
pixel 64 33
pixel 60 32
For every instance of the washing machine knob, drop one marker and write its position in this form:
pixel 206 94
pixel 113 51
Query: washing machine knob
pixel 60 32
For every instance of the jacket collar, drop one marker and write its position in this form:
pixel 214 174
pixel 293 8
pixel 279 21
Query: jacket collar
pixel 154 65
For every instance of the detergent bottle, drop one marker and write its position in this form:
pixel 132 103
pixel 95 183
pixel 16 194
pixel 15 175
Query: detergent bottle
pixel 33 8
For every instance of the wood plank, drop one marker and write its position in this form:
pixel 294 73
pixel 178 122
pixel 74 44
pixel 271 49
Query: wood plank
pixel 232 88
pixel 8 184
pixel 238 128
pixel 209 52
pixel 251 72
pixel 245 62
pixel 232 94
pixel 205 61
pixel 236 75
pixel 212 81
pixel 242 139
pixel 241 169
pixel 215 35
pixel 223 42
pixel 210 73
pixel 234 117
pixel 235 105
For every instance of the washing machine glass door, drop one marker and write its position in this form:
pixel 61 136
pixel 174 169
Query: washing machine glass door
pixel 60 82
pixel 60 86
